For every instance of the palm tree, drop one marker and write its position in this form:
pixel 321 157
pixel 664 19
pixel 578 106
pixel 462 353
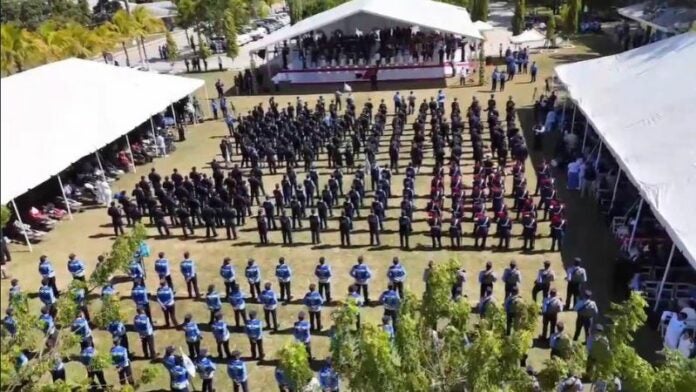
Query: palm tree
pixel 122 24
pixel 50 41
pixel 145 24
pixel 17 49
pixel 82 42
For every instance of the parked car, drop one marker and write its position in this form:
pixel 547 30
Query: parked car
pixel 244 37
pixel 282 17
pixel 256 32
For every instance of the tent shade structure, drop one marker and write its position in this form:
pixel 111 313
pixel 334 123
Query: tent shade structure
pixel 639 103
pixel 483 26
pixel 364 15
pixel 660 17
pixel 527 37
pixel 90 104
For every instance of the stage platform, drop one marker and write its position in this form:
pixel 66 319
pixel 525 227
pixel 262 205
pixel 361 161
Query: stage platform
pixel 363 73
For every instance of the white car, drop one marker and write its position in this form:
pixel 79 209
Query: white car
pixel 282 17
pixel 244 38
pixel 257 33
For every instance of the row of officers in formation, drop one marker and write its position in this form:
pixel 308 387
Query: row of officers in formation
pixel 310 321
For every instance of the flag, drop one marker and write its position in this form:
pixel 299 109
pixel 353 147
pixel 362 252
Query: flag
pixel 188 364
pixel 347 88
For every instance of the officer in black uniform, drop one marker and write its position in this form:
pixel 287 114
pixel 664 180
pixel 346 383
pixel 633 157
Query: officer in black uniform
pixel 455 232
pixel 323 210
pixel 208 214
pixel 345 225
pixel 184 220
pixel 160 221
pixel 195 211
pixel 268 210
pixel 296 209
pixel 314 227
pixel 373 223
pixel 503 230
pixel 529 227
pixel 262 226
pixel 285 228
pixel 436 232
pixel 229 218
pixel 116 218
pixel 405 229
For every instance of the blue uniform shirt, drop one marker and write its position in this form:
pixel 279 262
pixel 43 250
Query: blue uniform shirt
pixel 361 273
pixel 46 269
pixel 48 325
pixel 213 301
pixel 46 295
pixel 119 357
pixel 237 370
pixel 169 362
pixel 227 273
pixel 165 296
pixel 237 300
pixel 220 331
pixel 188 269
pixel 108 291
pixel 117 328
pixel 301 331
pixel 313 301
pixel 81 328
pixel 135 270
pixel 142 325
pixel 323 273
pixel 389 330
pixel 269 299
pixel 252 273
pixel 87 355
pixel 254 329
pixel 76 268
pixel 162 268
pixel 396 273
pixel 328 379
pixel 15 291
pixel 192 332
pixel 205 367
pixel 140 295
pixel 280 377
pixel 283 272
pixel 390 299
pixel 10 325
pixel 179 376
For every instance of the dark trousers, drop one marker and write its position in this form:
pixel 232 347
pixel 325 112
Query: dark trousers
pixel 96 376
pixel 58 375
pixel 399 287
pixel 125 376
pixel 285 291
pixel 169 281
pixel 573 291
pixel 240 313
pixel 163 229
pixel 345 238
pixel 437 241
pixel 148 346
pixel 257 346
pixel 210 229
pixel 170 314
pixel 207 385
pixel 403 240
pixel 287 237
pixel 509 321
pixel 362 288
pixel 271 314
pixel 528 241
pixel 391 314
pixel 482 237
pixel 325 291
pixel 118 228
pixel 315 237
pixel 315 320
pixel 192 287
pixel 504 240
pixel 255 289
pixel 123 342
pixel 242 386
pixel 556 239
pixel 374 237
pixel 484 286
pixel 231 233
pixel 52 283
pixel 543 287
pixel 582 322
pixel 508 288
pixel 223 345
pixel 194 349
pixel 228 288
pixel 548 320
pixel 186 225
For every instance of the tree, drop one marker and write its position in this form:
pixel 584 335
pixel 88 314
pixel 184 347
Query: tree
pixel 172 48
pixel 18 48
pixel 231 35
pixel 479 10
pixel 123 25
pixel 5 215
pixel 145 23
pixel 294 362
pixel 186 16
pixel 81 42
pixel 571 16
pixel 551 30
pixel 518 17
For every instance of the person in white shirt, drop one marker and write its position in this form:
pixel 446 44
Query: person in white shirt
pixel 675 328
pixel 686 345
pixel 690 312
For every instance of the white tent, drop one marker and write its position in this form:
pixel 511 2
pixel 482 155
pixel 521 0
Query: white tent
pixel 639 102
pixel 528 37
pixel 483 26
pixel 366 15
pixel 55 114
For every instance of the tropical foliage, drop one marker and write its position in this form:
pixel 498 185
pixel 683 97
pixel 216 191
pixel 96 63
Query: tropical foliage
pixel 518 17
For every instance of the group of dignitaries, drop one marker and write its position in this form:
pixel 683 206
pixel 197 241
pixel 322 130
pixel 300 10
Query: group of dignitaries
pixel 285 137
pixel 268 297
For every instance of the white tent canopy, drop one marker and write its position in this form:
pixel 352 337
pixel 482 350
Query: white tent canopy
pixel 483 26
pixel 55 114
pixel 365 15
pixel 640 102
pixel 527 37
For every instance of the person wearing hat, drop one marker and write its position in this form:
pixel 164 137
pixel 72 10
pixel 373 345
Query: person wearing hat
pixel 237 371
pixel 511 277
pixel 254 331
pixel 302 332
pixel 206 368
pixel 543 281
pixel 587 310
pixel 193 336
pixel 486 278
pixel 576 278
pixel 550 308
pixel 328 378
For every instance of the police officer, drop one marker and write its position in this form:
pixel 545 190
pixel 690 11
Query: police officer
pixel 188 269
pixel 329 381
pixel 314 301
pixel 163 270
pixel 436 232
pixel 141 297
pixel 184 220
pixel 362 275
pixel 302 333
pixel 586 309
pixel 576 278
pixel 345 225
pixel 213 301
pixel 268 212
pixel 286 228
pixel 229 217
pixel 373 225
pixel 116 218
pixel 323 273
pixel 504 230
pixel 253 275
pixel 160 221
pixel 512 303
pixel 284 275
pixel 543 281
pixel 238 303
pixel 143 326
pixel 269 299
pixel 222 335
pixel 485 302
pixel 323 210
pixel 314 227
pixel 254 331
pixel 550 308
pixel 237 371
pixel 206 369
pixel 94 374
pixel 487 278
pixel 208 214
pixel 391 301
pixel 48 273
pixel 529 227
pixel 481 227
pixel 297 212
pixel 396 275
pixel 193 334
pixel 558 228
pixel 262 227
pixel 511 277
pixel 165 297
pixel 405 229
pixel 560 342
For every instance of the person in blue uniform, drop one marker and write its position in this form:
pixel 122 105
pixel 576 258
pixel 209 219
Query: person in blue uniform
pixel 391 301
pixel 205 367
pixel 120 359
pixel 362 275
pixel 253 275
pixel 58 370
pixel 118 332
pixel 95 375
pixel 269 299
pixel 396 275
pixel 47 296
pixel 302 333
pixel 237 371
pixel 188 269
pixel 357 299
pixel 135 271
pixel 179 376
pixel 222 335
pixel 47 272
pixel 80 327
pixel 143 326
pixel 254 331
pixel 284 276
pixel 9 323
pixel 165 298
pixel 313 301
pixel 193 336
pixel 228 275
pixel 213 301
pixel 141 297
pixel 282 380
pixel 163 270
pixel 238 304
pixel 328 378
pixel 323 272
pixel 76 267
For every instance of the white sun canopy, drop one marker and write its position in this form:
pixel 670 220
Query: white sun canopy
pixel 528 36
pixel 55 114
pixel 640 103
pixel 364 15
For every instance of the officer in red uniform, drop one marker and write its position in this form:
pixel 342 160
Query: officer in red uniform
pixel 529 228
pixel 558 226
pixel 481 226
pixel 503 230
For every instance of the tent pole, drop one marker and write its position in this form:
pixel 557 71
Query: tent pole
pixel 154 136
pixel 584 138
pixel 565 103
pixel 130 152
pixel 207 101
pixel 100 166
pixel 65 197
pixel 599 154
pixel 664 277
pixel 635 224
pixel 616 187
pixel 572 122
pixel 173 113
pixel 19 218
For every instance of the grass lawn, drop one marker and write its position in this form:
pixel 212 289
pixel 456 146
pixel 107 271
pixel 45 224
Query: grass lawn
pixel 89 234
